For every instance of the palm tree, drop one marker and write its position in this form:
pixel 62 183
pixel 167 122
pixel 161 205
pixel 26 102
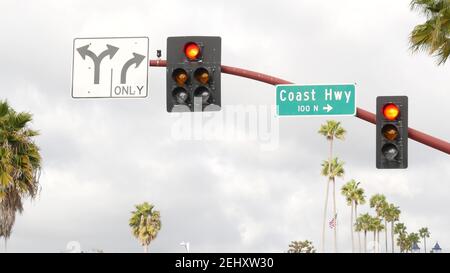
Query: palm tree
pixel 363 223
pixel 424 234
pixel 384 210
pixel 400 229
pixel 372 228
pixel 333 170
pixel 378 226
pixel 433 35
pixel 301 247
pixel 413 238
pixel 331 130
pixel 360 199
pixel 20 165
pixel 392 216
pixel 145 224
pixel 353 194
pixel 403 242
pixel 359 228
pixel 378 201
pixel 348 191
pixel 375 226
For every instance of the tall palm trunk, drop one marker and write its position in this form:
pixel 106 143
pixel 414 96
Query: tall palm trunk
pixel 351 229
pixel 359 233
pixel 325 216
pixel 365 241
pixel 425 244
pixel 386 234
pixel 374 242
pixel 378 241
pixel 392 236
pixel 145 248
pixel 334 215
pixel 326 197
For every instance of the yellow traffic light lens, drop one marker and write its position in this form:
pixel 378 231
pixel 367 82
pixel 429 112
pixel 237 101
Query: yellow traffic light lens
pixel 203 78
pixel 192 51
pixel 180 76
pixel 391 111
pixel 390 132
pixel 202 75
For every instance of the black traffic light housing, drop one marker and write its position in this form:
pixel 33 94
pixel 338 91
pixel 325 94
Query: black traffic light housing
pixel 193 74
pixel 392 132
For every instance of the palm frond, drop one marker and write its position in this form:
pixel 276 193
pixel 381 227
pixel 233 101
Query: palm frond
pixel 20 164
pixel 432 36
pixel 145 223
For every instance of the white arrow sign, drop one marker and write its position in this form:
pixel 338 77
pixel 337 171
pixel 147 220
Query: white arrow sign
pixel 122 74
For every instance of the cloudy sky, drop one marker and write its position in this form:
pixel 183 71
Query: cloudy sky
pixel 100 157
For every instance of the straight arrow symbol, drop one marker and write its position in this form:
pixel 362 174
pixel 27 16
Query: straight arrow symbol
pixel 137 60
pixel 84 51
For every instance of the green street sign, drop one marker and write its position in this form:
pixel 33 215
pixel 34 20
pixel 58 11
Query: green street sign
pixel 316 100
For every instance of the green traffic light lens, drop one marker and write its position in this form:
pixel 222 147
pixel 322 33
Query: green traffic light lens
pixel 204 93
pixel 180 95
pixel 390 151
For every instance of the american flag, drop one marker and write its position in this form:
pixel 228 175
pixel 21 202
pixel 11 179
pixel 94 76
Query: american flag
pixel 332 222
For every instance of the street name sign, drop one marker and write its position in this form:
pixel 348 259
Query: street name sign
pixel 110 67
pixel 316 100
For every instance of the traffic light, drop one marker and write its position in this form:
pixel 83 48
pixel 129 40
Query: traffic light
pixel 193 74
pixel 392 132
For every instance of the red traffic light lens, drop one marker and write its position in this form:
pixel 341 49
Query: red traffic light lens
pixel 391 111
pixel 192 51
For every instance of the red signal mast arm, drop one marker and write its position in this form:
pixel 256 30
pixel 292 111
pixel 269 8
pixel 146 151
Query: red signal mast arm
pixel 414 134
